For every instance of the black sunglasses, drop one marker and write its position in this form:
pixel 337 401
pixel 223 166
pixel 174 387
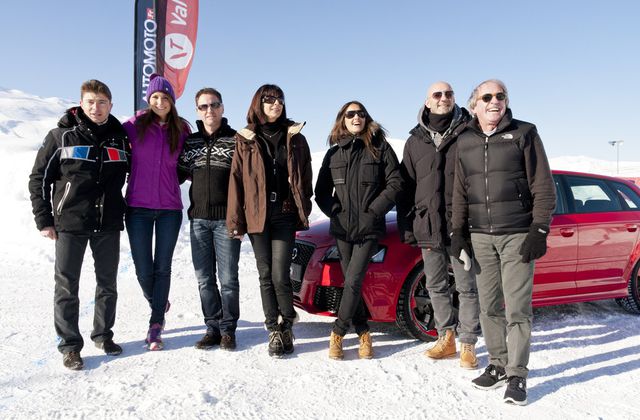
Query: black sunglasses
pixel 447 94
pixel 501 96
pixel 350 114
pixel 213 105
pixel 272 100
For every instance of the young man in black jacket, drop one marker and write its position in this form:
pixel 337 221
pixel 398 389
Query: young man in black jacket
pixel 503 198
pixel 424 218
pixel 85 160
pixel 206 159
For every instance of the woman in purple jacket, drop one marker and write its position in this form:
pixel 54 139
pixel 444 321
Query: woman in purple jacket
pixel 153 198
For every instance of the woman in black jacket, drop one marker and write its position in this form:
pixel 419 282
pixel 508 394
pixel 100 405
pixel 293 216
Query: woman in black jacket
pixel 357 185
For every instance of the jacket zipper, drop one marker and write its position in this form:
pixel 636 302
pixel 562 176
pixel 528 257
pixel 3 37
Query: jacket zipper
pixel 67 187
pixel 486 181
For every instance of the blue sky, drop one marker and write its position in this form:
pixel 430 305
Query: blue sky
pixel 571 66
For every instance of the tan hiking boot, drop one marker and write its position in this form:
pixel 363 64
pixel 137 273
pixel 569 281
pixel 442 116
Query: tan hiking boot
pixel 444 347
pixel 335 347
pixel 468 359
pixel 366 348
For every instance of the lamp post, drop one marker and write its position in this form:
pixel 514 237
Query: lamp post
pixel 616 144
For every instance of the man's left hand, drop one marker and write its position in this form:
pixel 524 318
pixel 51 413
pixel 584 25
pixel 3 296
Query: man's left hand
pixel 535 244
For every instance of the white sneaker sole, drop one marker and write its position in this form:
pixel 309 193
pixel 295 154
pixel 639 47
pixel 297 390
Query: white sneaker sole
pixel 510 400
pixel 494 386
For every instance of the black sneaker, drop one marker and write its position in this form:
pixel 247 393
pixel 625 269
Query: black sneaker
pixel 72 360
pixel 110 348
pixel 516 392
pixel 276 347
pixel 228 342
pixel 209 340
pixel 492 377
pixel 287 338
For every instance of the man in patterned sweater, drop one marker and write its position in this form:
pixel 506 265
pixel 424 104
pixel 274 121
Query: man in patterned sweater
pixel 206 159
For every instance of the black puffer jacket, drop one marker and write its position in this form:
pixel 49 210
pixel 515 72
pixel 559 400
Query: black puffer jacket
pixel 424 207
pixel 503 182
pixel 87 165
pixel 207 160
pixel 366 188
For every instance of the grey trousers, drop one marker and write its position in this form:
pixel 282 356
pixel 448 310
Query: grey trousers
pixel 505 285
pixel 437 283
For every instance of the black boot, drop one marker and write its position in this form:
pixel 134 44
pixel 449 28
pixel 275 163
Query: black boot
pixel 276 348
pixel 287 337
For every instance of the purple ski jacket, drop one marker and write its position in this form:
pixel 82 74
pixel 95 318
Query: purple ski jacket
pixel 153 182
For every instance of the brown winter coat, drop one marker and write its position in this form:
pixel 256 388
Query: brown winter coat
pixel 247 202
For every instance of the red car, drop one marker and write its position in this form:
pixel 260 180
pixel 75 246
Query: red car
pixel 593 253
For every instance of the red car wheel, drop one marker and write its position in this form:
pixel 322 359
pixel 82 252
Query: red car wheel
pixel 414 313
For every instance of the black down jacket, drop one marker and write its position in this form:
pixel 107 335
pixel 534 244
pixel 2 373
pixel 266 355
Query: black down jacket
pixel 503 182
pixel 356 189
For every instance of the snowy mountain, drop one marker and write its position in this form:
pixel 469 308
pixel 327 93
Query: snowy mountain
pixel 584 361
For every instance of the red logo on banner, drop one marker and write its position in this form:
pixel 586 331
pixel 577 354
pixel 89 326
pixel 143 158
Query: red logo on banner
pixel 179 41
pixel 150 14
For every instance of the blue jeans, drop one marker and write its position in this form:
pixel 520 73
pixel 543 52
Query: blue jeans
pixel 153 261
pixel 211 246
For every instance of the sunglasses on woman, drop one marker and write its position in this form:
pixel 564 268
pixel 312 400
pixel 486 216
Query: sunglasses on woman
pixel 272 100
pixel 350 114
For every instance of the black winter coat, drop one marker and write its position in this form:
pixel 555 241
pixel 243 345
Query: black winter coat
pixel 87 166
pixel 503 182
pixel 207 160
pixel 356 190
pixel 424 207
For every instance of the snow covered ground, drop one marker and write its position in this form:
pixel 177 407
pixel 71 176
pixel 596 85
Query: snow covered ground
pixel 585 360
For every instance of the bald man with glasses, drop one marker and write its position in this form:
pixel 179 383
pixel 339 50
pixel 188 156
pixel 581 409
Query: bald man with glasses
pixel 503 199
pixel 424 219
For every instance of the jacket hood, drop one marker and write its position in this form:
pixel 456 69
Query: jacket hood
pixel 75 116
pixel 378 136
pixel 70 118
pixel 293 128
pixel 460 116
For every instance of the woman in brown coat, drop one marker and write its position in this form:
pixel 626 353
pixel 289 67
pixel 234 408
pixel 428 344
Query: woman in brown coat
pixel 270 191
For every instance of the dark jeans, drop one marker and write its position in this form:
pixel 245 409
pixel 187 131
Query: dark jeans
pixel 153 261
pixel 70 247
pixel 354 260
pixel 211 247
pixel 273 248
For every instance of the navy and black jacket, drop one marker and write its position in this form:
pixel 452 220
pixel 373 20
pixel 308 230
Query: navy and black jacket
pixel 87 165
pixel 207 160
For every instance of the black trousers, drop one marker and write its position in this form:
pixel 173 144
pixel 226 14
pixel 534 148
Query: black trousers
pixel 354 260
pixel 70 248
pixel 272 249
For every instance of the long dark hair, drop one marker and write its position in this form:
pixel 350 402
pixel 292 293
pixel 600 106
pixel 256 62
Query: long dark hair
pixel 372 135
pixel 176 125
pixel 255 115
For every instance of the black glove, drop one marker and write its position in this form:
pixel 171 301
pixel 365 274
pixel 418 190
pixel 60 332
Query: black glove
pixel 458 244
pixel 535 244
